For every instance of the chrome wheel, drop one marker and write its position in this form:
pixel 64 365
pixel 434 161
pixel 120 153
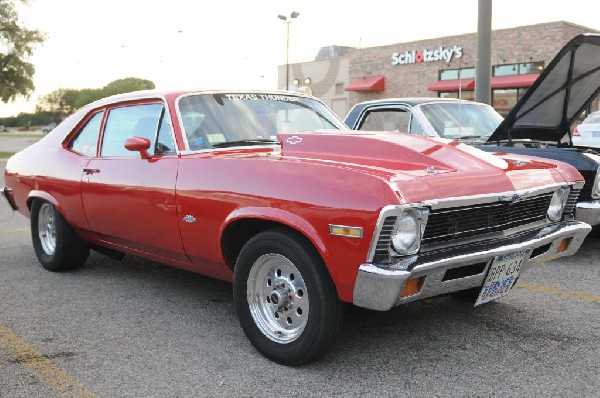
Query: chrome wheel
pixel 47 228
pixel 277 298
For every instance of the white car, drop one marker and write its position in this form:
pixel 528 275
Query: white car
pixel 588 132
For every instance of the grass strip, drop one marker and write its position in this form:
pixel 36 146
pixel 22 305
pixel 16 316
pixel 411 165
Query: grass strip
pixel 17 135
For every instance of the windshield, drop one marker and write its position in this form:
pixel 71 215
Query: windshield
pixel 214 120
pixel 462 120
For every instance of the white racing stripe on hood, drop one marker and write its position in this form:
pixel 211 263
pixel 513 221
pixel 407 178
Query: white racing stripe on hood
pixel 487 157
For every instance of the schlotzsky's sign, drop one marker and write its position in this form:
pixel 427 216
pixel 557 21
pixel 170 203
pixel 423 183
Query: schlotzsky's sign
pixel 439 54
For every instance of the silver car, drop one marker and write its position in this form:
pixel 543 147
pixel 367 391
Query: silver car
pixel 588 132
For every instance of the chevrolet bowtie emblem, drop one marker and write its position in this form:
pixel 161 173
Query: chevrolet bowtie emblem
pixel 293 140
pixel 189 219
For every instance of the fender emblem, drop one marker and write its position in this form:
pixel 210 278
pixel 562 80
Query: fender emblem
pixel 189 219
pixel 431 170
pixel 294 140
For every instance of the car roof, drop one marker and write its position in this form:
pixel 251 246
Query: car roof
pixel 412 101
pixel 152 94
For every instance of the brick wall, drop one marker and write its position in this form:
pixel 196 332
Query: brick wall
pixel 516 45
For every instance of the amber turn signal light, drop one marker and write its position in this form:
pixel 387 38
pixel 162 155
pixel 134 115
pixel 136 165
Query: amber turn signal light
pixel 412 286
pixel 564 245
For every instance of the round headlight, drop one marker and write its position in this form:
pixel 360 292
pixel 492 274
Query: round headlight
pixel 406 236
pixel 556 206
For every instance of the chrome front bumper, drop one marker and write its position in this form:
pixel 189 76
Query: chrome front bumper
pixel 588 212
pixel 380 287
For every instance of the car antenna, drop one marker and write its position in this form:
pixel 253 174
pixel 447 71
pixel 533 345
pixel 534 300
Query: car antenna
pixel 459 116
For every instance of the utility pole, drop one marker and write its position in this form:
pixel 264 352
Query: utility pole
pixel 287 20
pixel 483 67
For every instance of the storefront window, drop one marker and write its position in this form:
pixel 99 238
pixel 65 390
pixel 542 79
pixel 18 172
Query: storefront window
pixel 452 74
pixel 503 100
pixel 518 69
pixel 505 70
pixel 466 95
pixel 531 67
pixel 449 74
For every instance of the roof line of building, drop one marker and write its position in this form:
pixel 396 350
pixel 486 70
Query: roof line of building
pixel 590 30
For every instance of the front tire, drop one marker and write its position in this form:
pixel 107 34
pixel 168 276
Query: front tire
pixel 285 299
pixel 57 246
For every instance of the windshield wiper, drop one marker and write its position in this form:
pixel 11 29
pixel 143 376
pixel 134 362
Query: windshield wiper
pixel 252 141
pixel 469 136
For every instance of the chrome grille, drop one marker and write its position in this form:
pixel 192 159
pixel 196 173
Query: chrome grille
pixel 464 222
pixel 571 202
pixel 385 240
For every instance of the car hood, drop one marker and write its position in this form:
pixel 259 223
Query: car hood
pixel 567 86
pixel 441 167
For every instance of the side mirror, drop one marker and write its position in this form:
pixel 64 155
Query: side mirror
pixel 138 144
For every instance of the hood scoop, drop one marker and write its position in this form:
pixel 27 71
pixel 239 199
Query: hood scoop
pixel 391 151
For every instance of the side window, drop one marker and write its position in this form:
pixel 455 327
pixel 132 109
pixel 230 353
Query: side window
pixel 386 120
pixel 415 127
pixel 87 139
pixel 164 141
pixel 129 121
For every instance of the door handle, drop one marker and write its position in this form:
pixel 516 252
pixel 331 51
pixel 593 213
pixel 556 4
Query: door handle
pixel 90 171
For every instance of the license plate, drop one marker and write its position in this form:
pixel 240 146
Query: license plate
pixel 501 277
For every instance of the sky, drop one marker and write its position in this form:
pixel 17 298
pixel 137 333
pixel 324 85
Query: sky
pixel 240 43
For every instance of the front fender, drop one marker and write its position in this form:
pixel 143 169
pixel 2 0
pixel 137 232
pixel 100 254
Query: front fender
pixel 43 195
pixel 282 217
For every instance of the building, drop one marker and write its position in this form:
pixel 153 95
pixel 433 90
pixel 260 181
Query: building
pixel 441 67
pixel 327 76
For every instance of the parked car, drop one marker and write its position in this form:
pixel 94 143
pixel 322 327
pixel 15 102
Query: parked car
pixel 587 134
pixel 539 124
pixel 265 190
pixel 466 121
pixel 49 127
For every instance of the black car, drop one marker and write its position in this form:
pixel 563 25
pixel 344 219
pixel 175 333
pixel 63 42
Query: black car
pixel 539 124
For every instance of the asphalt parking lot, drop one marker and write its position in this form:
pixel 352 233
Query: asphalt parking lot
pixel 15 142
pixel 140 329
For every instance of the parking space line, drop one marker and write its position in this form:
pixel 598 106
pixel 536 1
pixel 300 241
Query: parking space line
pixel 8 231
pixel 41 367
pixel 545 289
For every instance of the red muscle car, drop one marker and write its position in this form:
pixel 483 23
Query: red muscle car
pixel 265 190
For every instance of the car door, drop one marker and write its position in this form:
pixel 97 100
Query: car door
pixel 130 200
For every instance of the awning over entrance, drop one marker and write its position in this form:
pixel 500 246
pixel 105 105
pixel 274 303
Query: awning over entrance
pixel 514 81
pixel 452 85
pixel 367 83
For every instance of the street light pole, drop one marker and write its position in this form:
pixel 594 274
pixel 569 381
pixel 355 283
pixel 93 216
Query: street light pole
pixel 287 21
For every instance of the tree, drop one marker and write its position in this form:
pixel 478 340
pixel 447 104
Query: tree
pixel 62 101
pixel 88 95
pixel 66 101
pixel 127 85
pixel 16 46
